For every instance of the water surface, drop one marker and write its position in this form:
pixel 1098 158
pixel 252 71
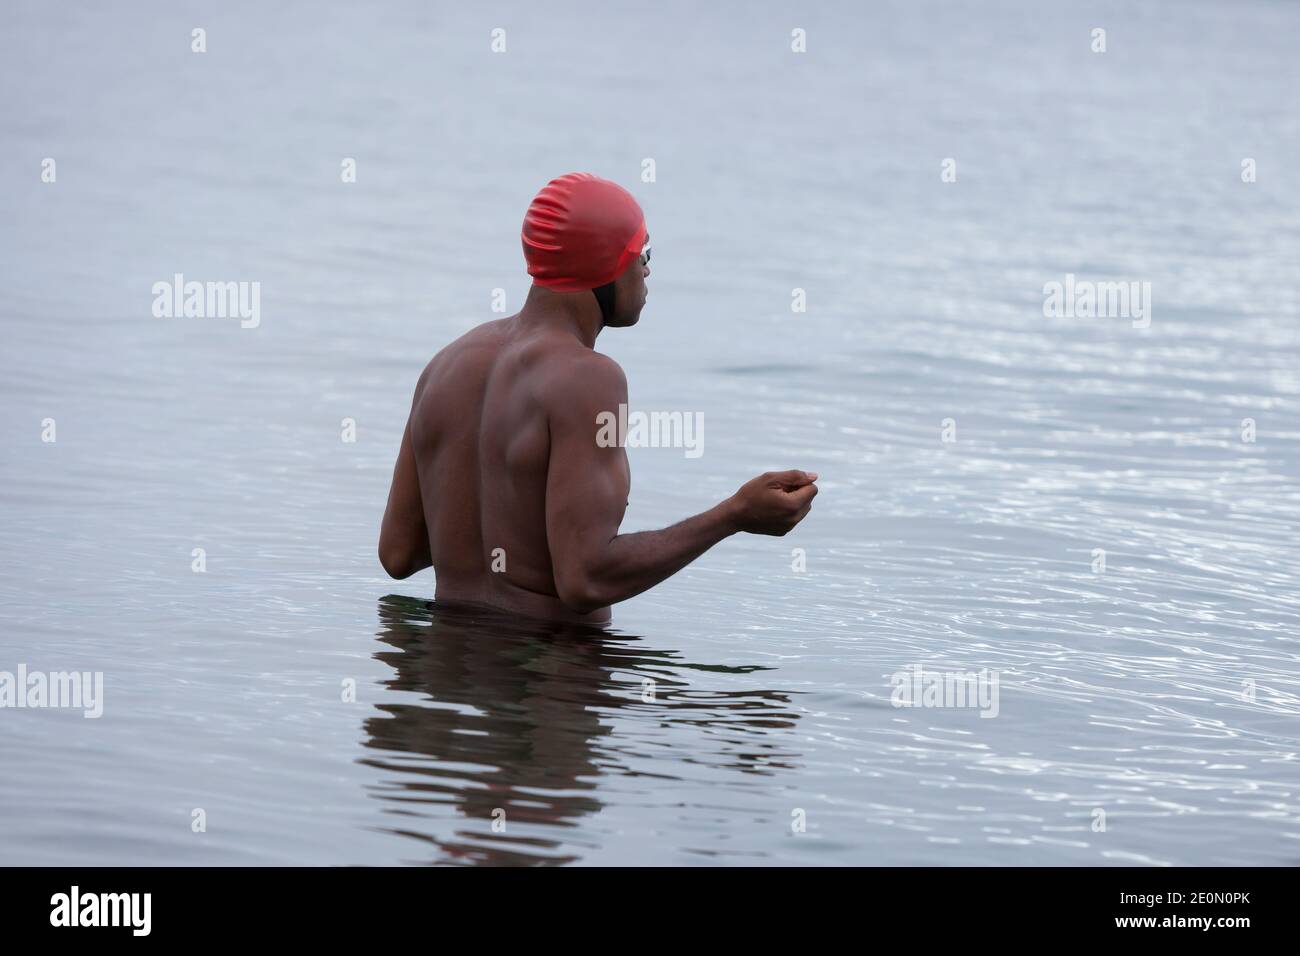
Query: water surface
pixel 319 713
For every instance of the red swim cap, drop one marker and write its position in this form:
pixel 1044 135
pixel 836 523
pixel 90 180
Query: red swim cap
pixel 581 232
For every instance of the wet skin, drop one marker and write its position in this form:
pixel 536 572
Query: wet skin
pixel 501 487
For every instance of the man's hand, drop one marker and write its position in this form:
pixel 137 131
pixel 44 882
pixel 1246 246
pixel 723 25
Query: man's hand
pixel 773 503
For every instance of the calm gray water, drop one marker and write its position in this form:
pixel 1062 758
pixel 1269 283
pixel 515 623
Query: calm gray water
pixel 1160 696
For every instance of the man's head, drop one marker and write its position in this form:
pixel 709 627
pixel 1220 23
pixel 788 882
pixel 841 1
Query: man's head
pixel 586 234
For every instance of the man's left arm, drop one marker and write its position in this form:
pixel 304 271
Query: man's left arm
pixel 403 536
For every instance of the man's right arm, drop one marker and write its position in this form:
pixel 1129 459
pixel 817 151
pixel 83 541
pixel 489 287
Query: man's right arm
pixel 586 495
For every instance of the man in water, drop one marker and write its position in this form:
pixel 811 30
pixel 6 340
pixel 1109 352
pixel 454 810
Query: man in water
pixel 500 483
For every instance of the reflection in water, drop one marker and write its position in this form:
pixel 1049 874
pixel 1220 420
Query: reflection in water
pixel 526 717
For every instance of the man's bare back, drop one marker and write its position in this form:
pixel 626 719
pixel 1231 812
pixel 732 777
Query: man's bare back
pixel 502 487
pixel 480 433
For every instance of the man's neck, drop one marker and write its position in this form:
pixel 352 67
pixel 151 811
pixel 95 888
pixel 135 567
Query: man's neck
pixel 577 313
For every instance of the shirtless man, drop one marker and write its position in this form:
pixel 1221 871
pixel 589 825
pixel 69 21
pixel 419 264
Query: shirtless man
pixel 500 449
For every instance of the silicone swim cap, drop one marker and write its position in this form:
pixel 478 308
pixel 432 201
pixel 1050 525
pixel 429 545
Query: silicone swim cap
pixel 581 232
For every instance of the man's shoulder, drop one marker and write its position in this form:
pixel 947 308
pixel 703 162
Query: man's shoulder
pixel 578 379
pixel 576 368
pixel 485 337
pixel 594 366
